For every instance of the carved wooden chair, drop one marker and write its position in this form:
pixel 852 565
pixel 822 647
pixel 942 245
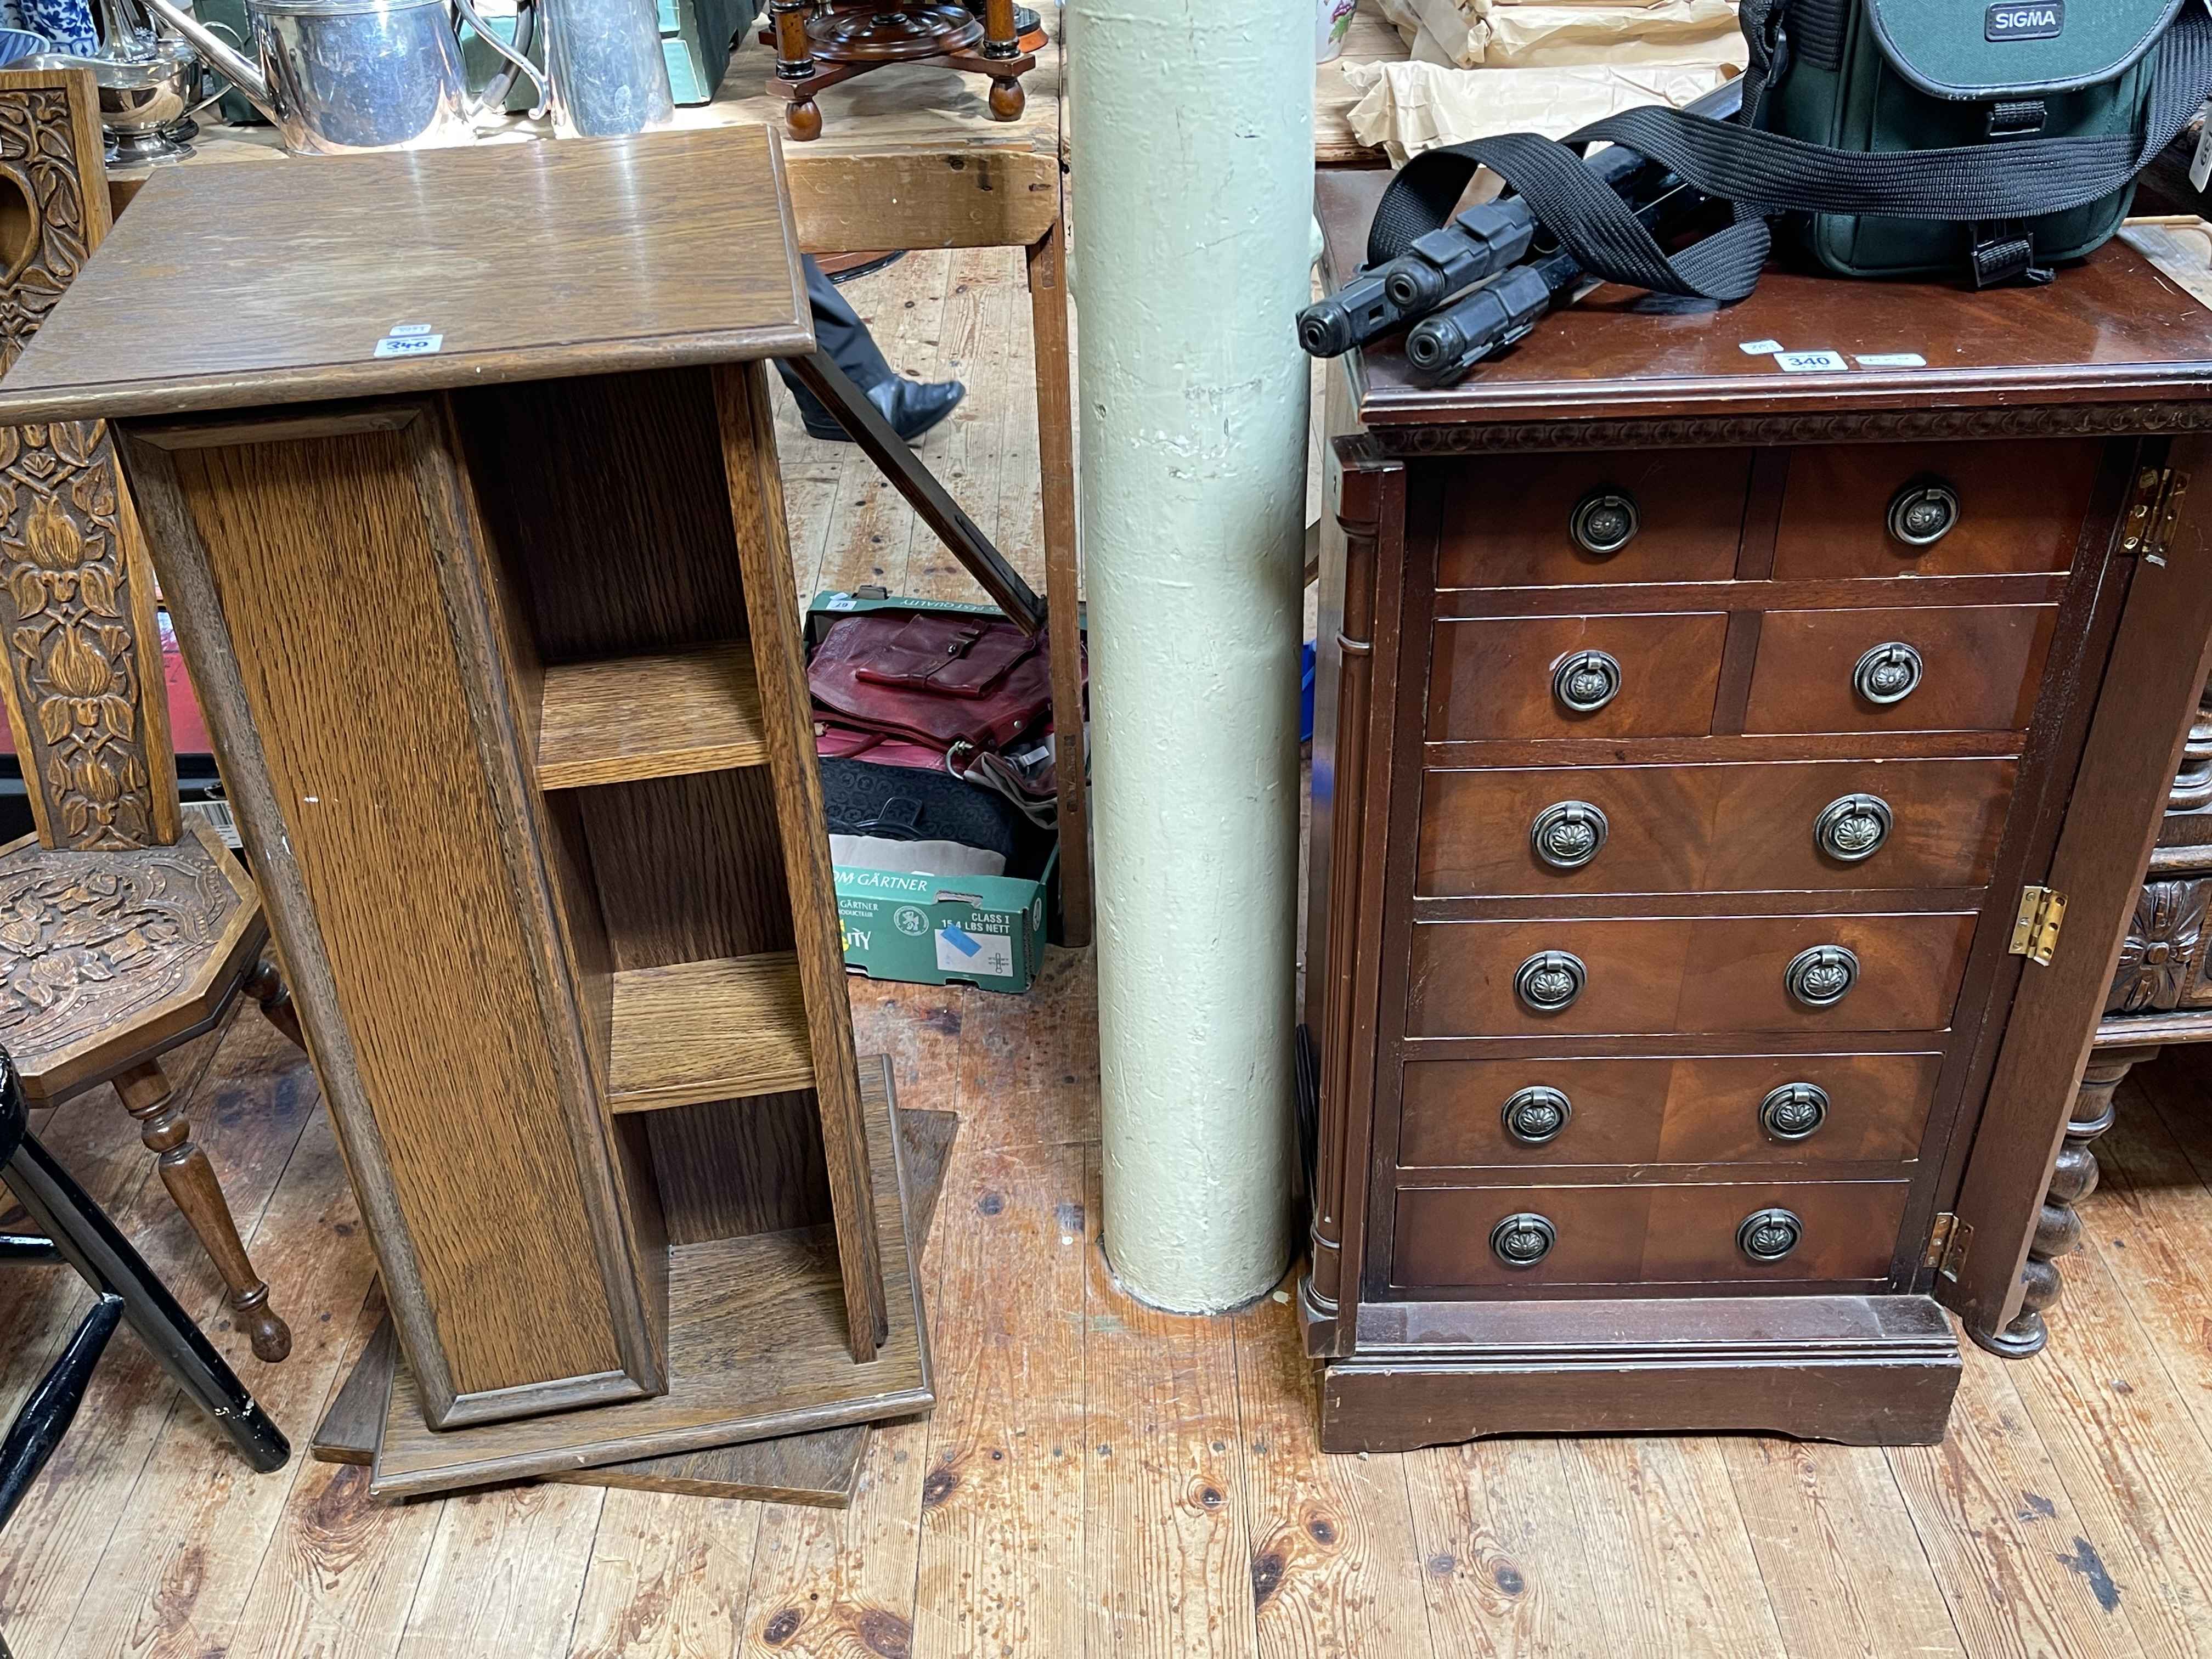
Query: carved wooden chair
pixel 124 932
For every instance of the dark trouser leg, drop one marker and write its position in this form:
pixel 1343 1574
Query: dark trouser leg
pixel 839 331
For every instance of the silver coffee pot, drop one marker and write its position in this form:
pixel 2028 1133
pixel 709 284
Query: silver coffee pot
pixel 335 77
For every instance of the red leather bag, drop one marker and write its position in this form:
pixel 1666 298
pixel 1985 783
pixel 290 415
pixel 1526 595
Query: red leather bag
pixel 936 678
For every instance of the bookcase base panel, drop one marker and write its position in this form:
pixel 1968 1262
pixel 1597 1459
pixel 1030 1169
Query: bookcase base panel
pixel 756 1349
pixel 821 1469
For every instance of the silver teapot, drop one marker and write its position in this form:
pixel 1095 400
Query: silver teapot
pixel 150 87
pixel 340 76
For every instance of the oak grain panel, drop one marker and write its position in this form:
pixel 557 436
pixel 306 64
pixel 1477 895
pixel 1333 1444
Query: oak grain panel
pixel 2021 507
pixel 1713 828
pixel 773 1139
pixel 1690 1110
pixel 669 248
pixel 1705 975
pixel 1983 668
pixel 1493 679
pixel 719 829
pixel 1505 522
pixel 664 716
pixel 717 1030
pixel 297 536
pixel 1655 1235
pixel 606 496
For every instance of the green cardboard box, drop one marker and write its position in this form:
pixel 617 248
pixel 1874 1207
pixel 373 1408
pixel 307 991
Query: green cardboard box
pixel 937 930
pixel 987 931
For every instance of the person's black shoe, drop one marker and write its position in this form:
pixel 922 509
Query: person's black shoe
pixel 912 407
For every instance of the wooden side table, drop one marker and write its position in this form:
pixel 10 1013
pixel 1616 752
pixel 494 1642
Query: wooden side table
pixel 483 572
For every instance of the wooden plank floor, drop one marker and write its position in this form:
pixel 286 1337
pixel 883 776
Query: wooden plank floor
pixel 1102 1481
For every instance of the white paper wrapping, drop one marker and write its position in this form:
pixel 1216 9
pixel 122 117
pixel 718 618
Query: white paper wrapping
pixel 1413 106
pixel 1539 33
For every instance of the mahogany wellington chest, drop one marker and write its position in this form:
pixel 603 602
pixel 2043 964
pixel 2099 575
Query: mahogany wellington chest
pixel 1731 787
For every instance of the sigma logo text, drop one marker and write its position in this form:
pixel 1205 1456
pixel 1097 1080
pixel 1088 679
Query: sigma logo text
pixel 2026 20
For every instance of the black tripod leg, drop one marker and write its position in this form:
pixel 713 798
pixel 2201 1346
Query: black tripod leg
pixel 88 1241
pixel 896 462
pixel 51 1407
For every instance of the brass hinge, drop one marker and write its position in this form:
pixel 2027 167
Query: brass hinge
pixel 2153 513
pixel 1948 1244
pixel 2035 929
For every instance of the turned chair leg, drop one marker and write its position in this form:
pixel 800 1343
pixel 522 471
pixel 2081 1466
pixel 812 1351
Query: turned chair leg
pixel 265 985
pixel 149 1098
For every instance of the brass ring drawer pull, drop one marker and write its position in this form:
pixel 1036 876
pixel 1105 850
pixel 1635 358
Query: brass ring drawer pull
pixel 1549 981
pixel 1822 976
pixel 1795 1111
pixel 1604 522
pixel 1769 1235
pixel 1922 515
pixel 1852 827
pixel 1583 682
pixel 1536 1114
pixel 1523 1241
pixel 1568 834
pixel 1887 673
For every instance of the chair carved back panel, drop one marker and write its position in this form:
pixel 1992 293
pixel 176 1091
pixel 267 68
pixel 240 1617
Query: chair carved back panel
pixel 83 687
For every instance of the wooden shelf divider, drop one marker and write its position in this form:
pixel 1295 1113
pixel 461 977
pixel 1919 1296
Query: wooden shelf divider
pixel 709 1030
pixel 665 715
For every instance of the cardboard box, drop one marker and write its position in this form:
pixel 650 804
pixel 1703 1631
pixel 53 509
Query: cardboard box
pixel 989 931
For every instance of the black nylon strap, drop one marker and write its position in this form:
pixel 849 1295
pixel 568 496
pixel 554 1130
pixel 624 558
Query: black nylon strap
pixel 1765 174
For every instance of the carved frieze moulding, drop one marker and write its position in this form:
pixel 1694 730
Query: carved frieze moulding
pixel 65 619
pixel 2163 955
pixel 1726 431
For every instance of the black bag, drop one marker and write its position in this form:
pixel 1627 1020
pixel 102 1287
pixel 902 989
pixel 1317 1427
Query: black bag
pixel 1893 137
pixel 900 803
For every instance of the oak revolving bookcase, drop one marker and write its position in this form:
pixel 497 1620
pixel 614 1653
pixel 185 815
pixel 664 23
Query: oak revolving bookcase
pixel 480 565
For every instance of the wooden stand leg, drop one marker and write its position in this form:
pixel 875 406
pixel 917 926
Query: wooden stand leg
pixel 265 985
pixel 2073 1178
pixel 186 1171
pixel 1047 273
pixel 794 61
pixel 1001 40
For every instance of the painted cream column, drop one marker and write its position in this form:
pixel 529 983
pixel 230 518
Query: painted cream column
pixel 1192 182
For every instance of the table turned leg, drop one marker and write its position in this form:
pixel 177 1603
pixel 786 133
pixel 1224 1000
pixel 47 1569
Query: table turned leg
pixel 2073 1178
pixel 149 1097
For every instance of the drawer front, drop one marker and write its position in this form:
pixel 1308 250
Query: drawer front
pixel 1515 523
pixel 1622 1235
pixel 1496 678
pixel 1756 828
pixel 1969 668
pixel 1709 974
pixel 1704 1109
pixel 2012 507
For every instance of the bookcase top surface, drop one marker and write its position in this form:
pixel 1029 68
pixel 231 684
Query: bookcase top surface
pixel 413 270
